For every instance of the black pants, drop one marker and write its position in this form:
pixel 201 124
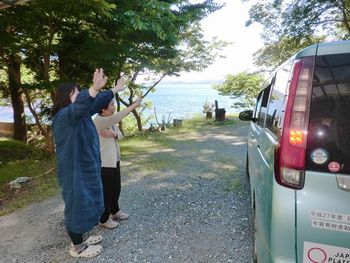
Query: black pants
pixel 76 238
pixel 111 190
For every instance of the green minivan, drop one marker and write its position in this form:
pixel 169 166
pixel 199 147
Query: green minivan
pixel 298 158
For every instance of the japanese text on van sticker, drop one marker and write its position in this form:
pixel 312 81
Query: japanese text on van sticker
pixel 330 221
pixel 336 226
pixel 329 216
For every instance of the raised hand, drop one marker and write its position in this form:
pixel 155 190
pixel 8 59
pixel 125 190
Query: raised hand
pixel 120 86
pixel 99 79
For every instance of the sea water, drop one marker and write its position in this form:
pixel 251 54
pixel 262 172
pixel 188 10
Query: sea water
pixel 181 101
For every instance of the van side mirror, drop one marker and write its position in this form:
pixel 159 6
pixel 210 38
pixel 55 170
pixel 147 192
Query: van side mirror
pixel 246 115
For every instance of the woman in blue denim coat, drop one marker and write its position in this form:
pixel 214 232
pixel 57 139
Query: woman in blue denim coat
pixel 78 159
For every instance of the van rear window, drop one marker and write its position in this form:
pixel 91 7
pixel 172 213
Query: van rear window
pixel 329 126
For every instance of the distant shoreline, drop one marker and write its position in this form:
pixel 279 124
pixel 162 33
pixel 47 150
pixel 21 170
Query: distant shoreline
pixel 184 82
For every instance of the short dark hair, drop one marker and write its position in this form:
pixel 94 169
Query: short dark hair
pixel 62 96
pixel 105 107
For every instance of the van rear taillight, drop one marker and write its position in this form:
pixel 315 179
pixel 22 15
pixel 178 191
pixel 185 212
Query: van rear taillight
pixel 290 154
pixel 296 137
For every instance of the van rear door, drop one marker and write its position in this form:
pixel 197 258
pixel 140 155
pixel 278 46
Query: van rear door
pixel 323 204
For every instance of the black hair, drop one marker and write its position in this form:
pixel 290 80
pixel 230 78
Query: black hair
pixel 62 96
pixel 105 107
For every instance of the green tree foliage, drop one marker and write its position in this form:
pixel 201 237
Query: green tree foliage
pixel 66 40
pixel 292 25
pixel 243 87
pixel 274 53
pixel 28 36
pixel 301 18
pixel 163 39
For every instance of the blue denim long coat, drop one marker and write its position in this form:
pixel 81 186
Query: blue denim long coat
pixel 78 160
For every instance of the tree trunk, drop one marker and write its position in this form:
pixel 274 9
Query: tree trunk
pixel 138 120
pixel 19 118
pixel 44 129
pixel 49 141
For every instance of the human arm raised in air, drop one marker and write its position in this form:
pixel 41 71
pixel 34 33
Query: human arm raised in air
pixel 103 98
pixel 108 121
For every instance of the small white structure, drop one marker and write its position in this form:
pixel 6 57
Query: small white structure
pixel 16 184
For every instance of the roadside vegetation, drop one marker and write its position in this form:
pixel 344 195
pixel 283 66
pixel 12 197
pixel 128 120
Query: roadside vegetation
pixel 20 160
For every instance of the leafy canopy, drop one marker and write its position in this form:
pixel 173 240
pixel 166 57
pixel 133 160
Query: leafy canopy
pixel 58 41
pixel 301 18
pixel 289 26
pixel 243 88
pixel 273 54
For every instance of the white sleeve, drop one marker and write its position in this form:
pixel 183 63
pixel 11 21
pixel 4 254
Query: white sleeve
pixel 105 122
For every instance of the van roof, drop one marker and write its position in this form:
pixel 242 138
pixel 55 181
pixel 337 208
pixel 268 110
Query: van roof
pixel 325 48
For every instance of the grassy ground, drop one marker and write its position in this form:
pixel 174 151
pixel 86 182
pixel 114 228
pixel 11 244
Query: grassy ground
pixel 152 153
pixel 151 140
pixel 18 159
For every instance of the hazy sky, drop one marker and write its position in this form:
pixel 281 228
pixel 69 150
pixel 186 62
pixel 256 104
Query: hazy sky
pixel 229 24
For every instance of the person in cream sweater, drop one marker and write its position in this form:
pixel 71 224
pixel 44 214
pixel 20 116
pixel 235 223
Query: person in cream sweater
pixel 106 126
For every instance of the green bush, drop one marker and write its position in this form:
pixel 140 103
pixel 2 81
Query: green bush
pixel 11 150
pixel 17 160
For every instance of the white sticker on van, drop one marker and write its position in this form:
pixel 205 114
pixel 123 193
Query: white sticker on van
pixel 319 253
pixel 319 156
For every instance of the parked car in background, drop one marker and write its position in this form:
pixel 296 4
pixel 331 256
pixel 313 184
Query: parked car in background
pixel 298 158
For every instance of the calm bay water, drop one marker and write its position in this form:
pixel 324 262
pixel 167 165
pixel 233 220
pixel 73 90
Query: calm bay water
pixel 180 100
pixel 6 114
pixel 185 100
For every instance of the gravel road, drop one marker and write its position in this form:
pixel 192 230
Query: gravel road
pixel 190 203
